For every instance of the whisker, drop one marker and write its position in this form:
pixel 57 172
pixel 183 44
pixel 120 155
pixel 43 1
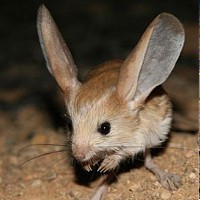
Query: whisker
pixel 56 161
pixel 31 145
pixel 44 154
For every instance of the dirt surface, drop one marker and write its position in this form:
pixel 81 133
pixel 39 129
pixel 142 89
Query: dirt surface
pixel 52 177
pixel 31 106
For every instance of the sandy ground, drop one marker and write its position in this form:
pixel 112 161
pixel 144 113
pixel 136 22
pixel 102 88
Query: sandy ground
pixel 53 177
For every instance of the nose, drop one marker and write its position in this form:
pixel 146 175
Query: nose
pixel 80 152
pixel 79 155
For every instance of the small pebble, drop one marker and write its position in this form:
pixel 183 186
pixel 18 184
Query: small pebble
pixel 135 187
pixel 114 190
pixel 1 180
pixel 189 154
pixel 20 194
pixel 36 183
pixel 157 184
pixel 73 193
pixel 165 195
pixel 192 175
pixel 153 178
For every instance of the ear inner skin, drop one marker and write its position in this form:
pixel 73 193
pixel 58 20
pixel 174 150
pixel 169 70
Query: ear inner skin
pixel 153 58
pixel 130 69
pixel 57 55
pixel 162 53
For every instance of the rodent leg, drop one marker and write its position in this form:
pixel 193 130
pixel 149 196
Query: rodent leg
pixel 100 192
pixel 102 189
pixel 167 180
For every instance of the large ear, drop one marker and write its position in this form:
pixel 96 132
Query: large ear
pixel 57 55
pixel 153 58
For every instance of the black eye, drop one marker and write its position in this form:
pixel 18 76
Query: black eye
pixel 104 128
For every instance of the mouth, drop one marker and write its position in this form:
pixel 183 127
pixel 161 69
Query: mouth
pixel 96 160
pixel 89 166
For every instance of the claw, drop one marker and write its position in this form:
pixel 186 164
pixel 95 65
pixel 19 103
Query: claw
pixel 101 169
pixel 87 168
pixel 104 168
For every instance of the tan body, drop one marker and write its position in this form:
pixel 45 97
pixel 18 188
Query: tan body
pixel 120 109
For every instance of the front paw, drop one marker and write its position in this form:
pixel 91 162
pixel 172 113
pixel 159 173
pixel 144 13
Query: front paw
pixel 109 163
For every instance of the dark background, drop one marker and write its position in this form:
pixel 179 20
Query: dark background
pixel 95 31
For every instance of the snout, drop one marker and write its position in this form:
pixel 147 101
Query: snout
pixel 81 152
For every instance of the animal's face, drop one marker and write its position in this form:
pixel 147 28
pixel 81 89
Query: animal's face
pixel 101 126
